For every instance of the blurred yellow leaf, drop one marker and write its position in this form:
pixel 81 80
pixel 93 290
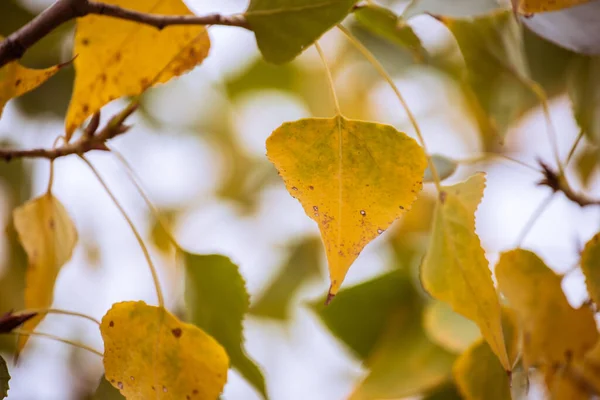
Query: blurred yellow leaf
pixel 536 6
pixel 116 58
pixel 150 354
pixel 478 373
pixel 285 28
pixel 49 237
pixel 566 386
pixel 455 269
pixel 590 265
pixel 353 178
pixel 584 91
pixel 448 329
pixel 554 333
pixel 16 80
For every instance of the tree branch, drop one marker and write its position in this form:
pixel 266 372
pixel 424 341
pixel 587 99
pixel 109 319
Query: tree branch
pixel 557 183
pixel 90 140
pixel 62 11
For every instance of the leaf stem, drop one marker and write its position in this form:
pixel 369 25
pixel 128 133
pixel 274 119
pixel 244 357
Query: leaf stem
pixel 58 339
pixel 338 111
pixel 159 294
pixel 134 178
pixel 532 220
pixel 485 155
pixel 574 147
pixel 57 311
pixel 377 65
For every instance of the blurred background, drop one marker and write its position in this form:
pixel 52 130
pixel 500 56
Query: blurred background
pixel 198 144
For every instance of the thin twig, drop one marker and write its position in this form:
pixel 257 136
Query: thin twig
pixel 574 147
pixel 40 311
pixel 87 142
pixel 533 219
pixel 558 183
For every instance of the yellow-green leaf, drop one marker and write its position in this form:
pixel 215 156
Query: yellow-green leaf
pixel 590 265
pixel 554 332
pixel 444 166
pixel 49 237
pixel 584 91
pixel 455 269
pixel 478 373
pixel 448 329
pixel 537 6
pixel 4 378
pixel 116 58
pixel 383 22
pixel 284 28
pixel 16 80
pixel 216 297
pixel 454 8
pixel 353 178
pixel 149 354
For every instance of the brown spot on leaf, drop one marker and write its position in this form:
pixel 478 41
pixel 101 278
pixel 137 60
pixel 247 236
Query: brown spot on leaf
pixel 18 82
pixel 51 224
pixel 111 323
pixel 85 42
pixel 85 108
pixel 177 332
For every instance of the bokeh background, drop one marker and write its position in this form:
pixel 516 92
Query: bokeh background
pixel 198 145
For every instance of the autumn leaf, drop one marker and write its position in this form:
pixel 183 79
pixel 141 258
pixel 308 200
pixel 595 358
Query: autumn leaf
pixel 383 22
pixel 478 373
pixel 4 378
pixel 116 58
pixel 448 329
pixel 353 178
pixel 444 166
pixel 16 80
pixel 285 28
pixel 554 332
pixel 537 6
pixel 149 353
pixel 48 237
pixel 455 269
pixel 590 266
pixel 217 301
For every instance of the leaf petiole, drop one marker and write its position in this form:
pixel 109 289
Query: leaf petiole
pixel 58 339
pixel 338 111
pixel 57 311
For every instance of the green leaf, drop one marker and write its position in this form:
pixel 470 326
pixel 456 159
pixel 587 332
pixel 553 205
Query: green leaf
pixel 303 264
pixel 455 269
pixel 383 22
pixel 217 301
pixel 284 28
pixel 590 265
pixel 106 391
pixel 494 58
pixel 444 166
pixel 584 90
pixel 454 8
pixel 4 378
pixel 380 320
pixel 448 329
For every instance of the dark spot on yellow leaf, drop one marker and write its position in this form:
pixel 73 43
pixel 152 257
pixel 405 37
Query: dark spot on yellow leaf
pixel 195 391
pixel 315 208
pixel 85 108
pixel 118 57
pixel 177 332
pixel 443 197
pixel 111 324
pixel 18 82
pixel 311 187
pixel 103 78
pixel 153 388
pixel 85 42
pixel 112 381
pixel 294 188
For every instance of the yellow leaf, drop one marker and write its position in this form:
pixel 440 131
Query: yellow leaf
pixel 16 80
pixel 116 58
pixel 150 354
pixel 448 329
pixel 554 332
pixel 48 237
pixel 455 269
pixel 353 178
pixel 590 265
pixel 536 6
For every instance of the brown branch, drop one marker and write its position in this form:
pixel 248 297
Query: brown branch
pixel 62 11
pixel 558 183
pixel 90 140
